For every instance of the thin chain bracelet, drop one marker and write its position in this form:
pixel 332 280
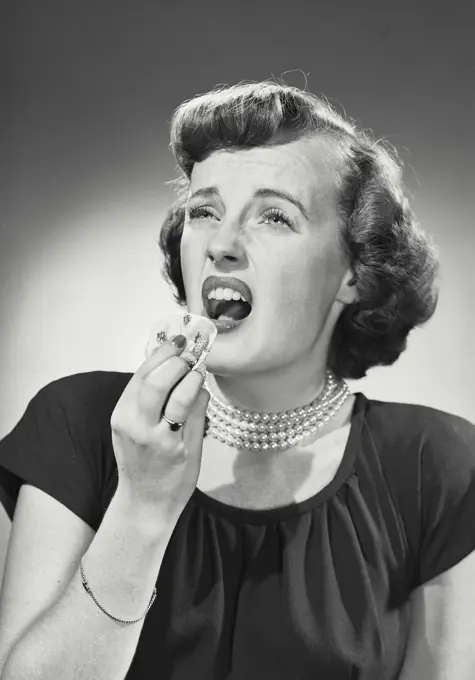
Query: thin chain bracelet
pixel 89 591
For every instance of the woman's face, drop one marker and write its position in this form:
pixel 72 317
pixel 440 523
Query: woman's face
pixel 267 216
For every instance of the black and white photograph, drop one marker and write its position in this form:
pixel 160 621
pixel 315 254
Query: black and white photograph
pixel 237 395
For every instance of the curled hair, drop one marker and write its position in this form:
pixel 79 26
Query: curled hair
pixel 394 263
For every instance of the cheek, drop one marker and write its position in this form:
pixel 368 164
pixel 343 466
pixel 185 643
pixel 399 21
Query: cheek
pixel 308 284
pixel 190 261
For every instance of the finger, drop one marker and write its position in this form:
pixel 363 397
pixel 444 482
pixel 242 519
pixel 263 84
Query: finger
pixel 155 388
pixel 182 397
pixel 193 430
pixel 170 348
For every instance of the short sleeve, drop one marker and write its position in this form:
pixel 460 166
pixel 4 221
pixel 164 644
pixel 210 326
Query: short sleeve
pixel 447 495
pixel 62 446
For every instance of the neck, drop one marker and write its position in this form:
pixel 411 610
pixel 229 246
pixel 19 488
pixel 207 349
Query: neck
pixel 282 390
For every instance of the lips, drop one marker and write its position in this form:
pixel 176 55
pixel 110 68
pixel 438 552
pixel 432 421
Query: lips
pixel 226 314
pixel 212 282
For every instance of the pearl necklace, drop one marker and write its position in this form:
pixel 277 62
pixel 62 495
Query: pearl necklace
pixel 270 431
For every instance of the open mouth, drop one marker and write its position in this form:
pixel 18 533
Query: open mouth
pixel 226 300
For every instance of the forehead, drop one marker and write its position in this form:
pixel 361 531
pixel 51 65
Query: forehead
pixel 309 168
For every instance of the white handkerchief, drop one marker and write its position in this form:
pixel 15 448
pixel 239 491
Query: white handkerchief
pixel 199 332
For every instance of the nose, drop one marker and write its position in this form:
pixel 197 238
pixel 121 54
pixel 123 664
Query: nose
pixel 225 246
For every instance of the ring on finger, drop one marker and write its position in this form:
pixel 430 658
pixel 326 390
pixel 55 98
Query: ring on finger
pixel 172 424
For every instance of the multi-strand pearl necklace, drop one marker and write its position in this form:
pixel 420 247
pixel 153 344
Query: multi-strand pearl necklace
pixel 270 431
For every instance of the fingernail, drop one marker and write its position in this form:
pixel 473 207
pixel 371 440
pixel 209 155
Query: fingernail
pixel 179 341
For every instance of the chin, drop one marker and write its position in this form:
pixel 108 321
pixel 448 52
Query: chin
pixel 239 359
pixel 225 362
pixel 229 361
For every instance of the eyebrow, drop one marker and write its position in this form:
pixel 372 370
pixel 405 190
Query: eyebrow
pixel 213 192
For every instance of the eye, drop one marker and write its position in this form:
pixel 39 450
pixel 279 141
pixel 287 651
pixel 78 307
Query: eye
pixel 276 217
pixel 199 212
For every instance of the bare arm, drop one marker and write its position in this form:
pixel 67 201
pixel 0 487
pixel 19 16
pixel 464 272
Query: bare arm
pixel 73 638
pixel 49 626
pixel 441 640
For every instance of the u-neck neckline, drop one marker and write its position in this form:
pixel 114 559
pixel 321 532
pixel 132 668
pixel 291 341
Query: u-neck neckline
pixel 276 514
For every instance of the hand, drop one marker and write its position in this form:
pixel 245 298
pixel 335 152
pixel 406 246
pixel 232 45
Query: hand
pixel 155 464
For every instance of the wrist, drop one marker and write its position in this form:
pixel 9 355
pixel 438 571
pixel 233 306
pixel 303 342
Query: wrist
pixel 149 515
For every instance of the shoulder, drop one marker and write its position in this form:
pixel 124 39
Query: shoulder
pixel 102 384
pixel 62 444
pixel 416 426
pixel 421 448
pixel 93 394
pixel 425 459
pixel 75 411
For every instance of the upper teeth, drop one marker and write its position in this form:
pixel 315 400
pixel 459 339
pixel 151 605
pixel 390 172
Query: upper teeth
pixel 225 294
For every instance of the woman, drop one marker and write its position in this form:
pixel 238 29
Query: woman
pixel 313 533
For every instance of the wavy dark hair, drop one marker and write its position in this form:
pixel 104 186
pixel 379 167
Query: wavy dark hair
pixel 394 263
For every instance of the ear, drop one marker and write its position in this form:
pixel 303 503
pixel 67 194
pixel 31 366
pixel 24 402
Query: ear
pixel 348 293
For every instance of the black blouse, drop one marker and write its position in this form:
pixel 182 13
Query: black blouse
pixel 317 589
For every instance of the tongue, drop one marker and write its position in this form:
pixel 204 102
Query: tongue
pixel 233 309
